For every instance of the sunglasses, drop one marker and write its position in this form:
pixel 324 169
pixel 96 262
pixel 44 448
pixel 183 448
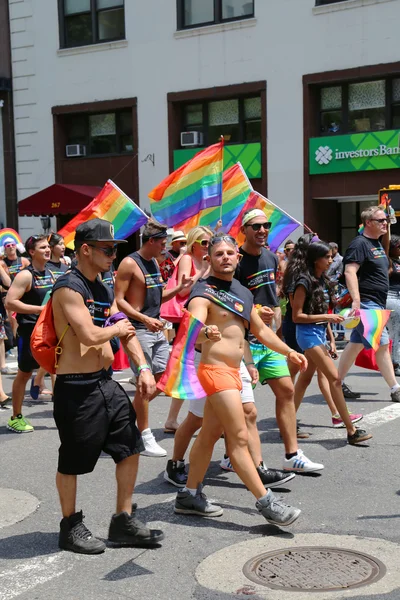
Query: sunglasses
pixel 182 243
pixel 10 245
pixel 108 251
pixel 204 243
pixel 381 220
pixel 218 239
pixel 257 226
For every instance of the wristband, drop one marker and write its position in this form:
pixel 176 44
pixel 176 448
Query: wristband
pixel 143 368
pixel 249 363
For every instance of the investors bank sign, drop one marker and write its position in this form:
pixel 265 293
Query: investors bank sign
pixel 358 152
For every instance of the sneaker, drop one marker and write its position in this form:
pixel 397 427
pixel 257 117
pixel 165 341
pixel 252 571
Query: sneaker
pixel 151 448
pixel 226 464
pixel 6 400
pixel 359 436
pixel 76 537
pixel 8 371
pixel 302 435
pixel 337 421
pixel 340 337
pixel 19 425
pixel 301 464
pixel 272 478
pixel 397 371
pixel 395 396
pixel 348 393
pixel 175 474
pixel 127 530
pixel 35 389
pixel 186 504
pixel 276 512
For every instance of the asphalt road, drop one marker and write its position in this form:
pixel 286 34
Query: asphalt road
pixel 357 495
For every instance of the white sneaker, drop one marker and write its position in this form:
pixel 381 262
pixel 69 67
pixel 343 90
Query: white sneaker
pixel 301 464
pixel 226 464
pixel 151 448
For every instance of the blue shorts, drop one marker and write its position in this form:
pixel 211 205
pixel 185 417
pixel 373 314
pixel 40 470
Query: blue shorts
pixel 357 333
pixel 309 335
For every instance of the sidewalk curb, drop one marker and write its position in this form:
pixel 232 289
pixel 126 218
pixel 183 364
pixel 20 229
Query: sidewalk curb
pixel 16 505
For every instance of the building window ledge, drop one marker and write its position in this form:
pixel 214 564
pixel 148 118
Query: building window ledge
pixel 217 28
pixel 328 8
pixel 92 48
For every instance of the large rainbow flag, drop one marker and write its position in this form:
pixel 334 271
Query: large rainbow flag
pixel 180 378
pixel 193 187
pixel 282 223
pixel 236 188
pixel 374 321
pixel 112 205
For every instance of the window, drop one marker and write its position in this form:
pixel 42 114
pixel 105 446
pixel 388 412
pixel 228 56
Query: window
pixel 367 106
pixel 103 133
pixel 84 22
pixel 323 2
pixel 331 110
pixel 195 13
pixel 238 120
pixel 396 103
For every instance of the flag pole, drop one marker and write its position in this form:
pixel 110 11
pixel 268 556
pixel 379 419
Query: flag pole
pixel 222 174
pixel 278 207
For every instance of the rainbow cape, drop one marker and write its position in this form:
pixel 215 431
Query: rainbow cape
pixel 180 378
pixel 374 321
pixel 193 187
pixel 282 223
pixel 112 205
pixel 9 233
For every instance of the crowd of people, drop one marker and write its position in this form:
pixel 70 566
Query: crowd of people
pixel 269 318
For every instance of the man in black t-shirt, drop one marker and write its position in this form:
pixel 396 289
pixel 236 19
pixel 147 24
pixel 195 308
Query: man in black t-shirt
pixel 366 269
pixel 257 272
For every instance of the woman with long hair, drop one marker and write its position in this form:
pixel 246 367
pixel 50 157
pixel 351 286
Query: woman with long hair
pixel 393 300
pixel 313 292
pixel 57 264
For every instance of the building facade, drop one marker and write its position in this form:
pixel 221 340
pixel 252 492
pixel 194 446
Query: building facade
pixel 304 92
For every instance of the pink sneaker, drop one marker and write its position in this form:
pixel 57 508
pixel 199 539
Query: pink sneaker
pixel 337 421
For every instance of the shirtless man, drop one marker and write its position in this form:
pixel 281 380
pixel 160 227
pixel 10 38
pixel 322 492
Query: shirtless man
pixel 139 292
pixel 92 412
pixel 226 307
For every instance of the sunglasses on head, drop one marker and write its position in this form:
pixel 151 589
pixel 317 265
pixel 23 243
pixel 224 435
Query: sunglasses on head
pixel 108 250
pixel 257 226
pixel 203 243
pixel 217 239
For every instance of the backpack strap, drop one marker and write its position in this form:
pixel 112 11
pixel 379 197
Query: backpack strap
pixel 58 349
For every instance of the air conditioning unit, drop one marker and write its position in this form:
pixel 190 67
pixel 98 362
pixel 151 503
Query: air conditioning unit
pixel 75 150
pixel 191 138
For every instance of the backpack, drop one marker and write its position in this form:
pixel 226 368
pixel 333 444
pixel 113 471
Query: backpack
pixel 44 344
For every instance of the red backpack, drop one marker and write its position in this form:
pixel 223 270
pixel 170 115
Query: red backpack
pixel 45 346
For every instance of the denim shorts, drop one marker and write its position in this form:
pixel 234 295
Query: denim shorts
pixel 357 333
pixel 309 335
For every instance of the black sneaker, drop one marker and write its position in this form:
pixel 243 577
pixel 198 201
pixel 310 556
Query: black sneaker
pixel 175 475
pixel 76 537
pixel 348 393
pixel 301 434
pixel 359 436
pixel 126 530
pixel 186 504
pixel 272 478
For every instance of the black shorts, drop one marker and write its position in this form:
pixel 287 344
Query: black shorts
pixel 26 362
pixel 93 413
pixel 289 335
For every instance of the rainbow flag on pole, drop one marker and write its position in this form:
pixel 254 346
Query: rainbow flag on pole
pixel 236 188
pixel 282 223
pixel 112 205
pixel 193 187
pixel 180 378
pixel 374 321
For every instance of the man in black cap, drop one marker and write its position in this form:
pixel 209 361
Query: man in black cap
pixel 92 412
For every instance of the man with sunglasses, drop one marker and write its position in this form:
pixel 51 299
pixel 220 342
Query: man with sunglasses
pixel 178 244
pixel 11 260
pixel 257 272
pixel 366 270
pixel 139 292
pixel 92 412
pixel 27 297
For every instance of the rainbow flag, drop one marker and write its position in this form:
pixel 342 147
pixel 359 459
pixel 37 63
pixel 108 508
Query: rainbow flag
pixel 236 188
pixel 282 223
pixel 374 321
pixel 10 233
pixel 193 187
pixel 180 378
pixel 112 205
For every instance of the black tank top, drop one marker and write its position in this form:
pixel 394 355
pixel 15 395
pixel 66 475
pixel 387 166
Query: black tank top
pixel 14 266
pixel 394 277
pixel 57 268
pixel 42 284
pixel 154 285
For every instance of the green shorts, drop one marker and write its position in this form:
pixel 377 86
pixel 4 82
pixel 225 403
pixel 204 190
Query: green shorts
pixel 270 364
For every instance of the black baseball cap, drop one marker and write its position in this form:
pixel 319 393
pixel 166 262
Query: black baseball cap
pixel 96 230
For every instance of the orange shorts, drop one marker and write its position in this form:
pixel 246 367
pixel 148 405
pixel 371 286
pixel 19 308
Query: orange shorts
pixel 215 378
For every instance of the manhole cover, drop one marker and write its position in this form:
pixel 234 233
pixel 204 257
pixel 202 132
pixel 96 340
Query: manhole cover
pixel 313 569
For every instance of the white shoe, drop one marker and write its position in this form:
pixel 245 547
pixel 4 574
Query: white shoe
pixel 151 448
pixel 226 464
pixel 301 464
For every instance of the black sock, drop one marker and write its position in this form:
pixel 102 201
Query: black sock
pixel 226 456
pixel 288 456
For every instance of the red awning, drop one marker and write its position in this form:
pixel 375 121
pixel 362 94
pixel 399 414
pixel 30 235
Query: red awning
pixel 58 199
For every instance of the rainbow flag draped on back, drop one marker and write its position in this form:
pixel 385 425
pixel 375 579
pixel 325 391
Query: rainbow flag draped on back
pixel 282 223
pixel 112 205
pixel 236 188
pixel 180 378
pixel 374 321
pixel 193 187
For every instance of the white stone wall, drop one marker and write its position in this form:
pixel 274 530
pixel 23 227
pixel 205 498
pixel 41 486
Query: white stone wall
pixel 287 39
